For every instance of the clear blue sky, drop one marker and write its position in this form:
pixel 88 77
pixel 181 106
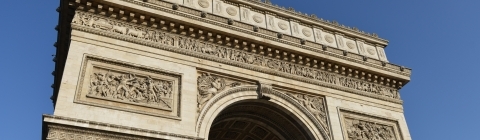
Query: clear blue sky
pixel 438 39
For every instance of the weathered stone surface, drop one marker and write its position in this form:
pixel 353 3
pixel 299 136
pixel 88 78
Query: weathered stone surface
pixel 217 69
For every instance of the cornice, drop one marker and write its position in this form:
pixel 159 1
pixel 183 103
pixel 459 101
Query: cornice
pixel 400 74
pixel 313 20
pixel 323 67
pixel 270 35
pixel 106 130
pixel 289 40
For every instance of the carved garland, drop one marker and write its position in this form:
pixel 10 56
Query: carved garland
pixel 235 57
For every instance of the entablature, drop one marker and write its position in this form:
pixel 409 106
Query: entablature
pixel 368 58
pixel 306 63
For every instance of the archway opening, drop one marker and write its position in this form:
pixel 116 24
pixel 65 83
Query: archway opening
pixel 257 120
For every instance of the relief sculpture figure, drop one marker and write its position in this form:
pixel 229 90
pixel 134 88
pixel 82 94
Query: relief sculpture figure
pixel 207 48
pixel 314 105
pixel 362 130
pixel 208 86
pixel 130 88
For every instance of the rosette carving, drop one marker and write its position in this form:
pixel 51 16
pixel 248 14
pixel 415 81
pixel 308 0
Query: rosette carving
pixel 329 38
pixel 231 11
pixel 257 18
pixel 307 32
pixel 203 3
pixel 283 25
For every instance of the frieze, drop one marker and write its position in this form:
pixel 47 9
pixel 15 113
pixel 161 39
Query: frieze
pixel 380 65
pixel 227 53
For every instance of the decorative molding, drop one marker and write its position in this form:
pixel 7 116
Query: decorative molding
pixel 220 53
pixel 316 19
pixel 358 59
pixel 324 129
pixel 376 63
pixel 360 126
pixel 58 131
pixel 120 85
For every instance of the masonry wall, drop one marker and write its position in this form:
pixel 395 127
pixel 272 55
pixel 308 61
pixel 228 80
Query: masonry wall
pixel 85 44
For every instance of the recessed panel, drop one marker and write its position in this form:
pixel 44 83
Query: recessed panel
pixel 381 54
pixel 283 26
pixel 329 39
pixel 203 5
pixel 252 17
pixel 318 36
pixel 119 85
pixel 359 126
pixel 226 9
pixel 371 51
pixel 351 45
pixel 340 42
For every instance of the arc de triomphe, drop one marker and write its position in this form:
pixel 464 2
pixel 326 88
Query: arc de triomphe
pixel 219 70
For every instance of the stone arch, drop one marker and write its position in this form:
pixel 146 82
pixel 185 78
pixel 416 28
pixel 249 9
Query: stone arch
pixel 240 94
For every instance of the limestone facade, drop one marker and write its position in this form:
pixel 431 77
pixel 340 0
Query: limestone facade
pixel 219 69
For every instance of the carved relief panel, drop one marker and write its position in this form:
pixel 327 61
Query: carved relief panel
pixel 318 35
pixel 271 22
pixel 361 47
pixel 226 9
pixel 381 54
pixel 253 17
pixel 209 85
pixel 350 45
pixel 119 85
pixel 282 26
pixel 370 51
pixel 203 5
pixel 357 126
pixel 329 39
pixel 301 31
pixel 315 105
pixel 340 41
